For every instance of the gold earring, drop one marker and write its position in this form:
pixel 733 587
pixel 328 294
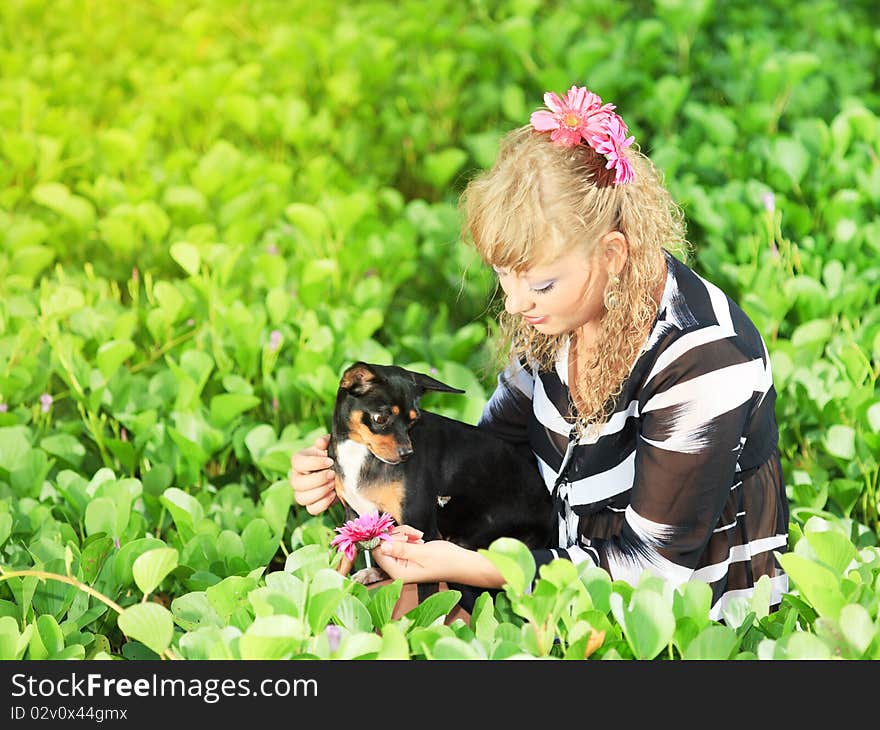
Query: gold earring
pixel 612 292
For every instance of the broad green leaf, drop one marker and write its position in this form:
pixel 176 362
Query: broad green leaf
pixel 816 583
pixel 833 548
pixel 840 441
pixel 514 561
pixel 151 568
pixel 693 600
pixel 14 447
pixel 11 645
pixel 454 648
pixel 857 627
pixel 792 157
pixel 383 600
pixel 184 509
pixel 93 555
pixel 150 624
pixel 647 621
pixel 272 637
pixel 440 167
pixel 193 610
pixel 5 527
pixel 713 642
pixel 259 542
pixel 64 446
pixel 124 560
pixel 101 516
pixel 277 501
pixel 230 594
pixel 353 614
pixel 227 406
pixel 187 256
pixel 112 354
pixel 394 643
pixel 433 607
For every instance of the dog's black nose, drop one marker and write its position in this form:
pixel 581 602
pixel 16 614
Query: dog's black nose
pixel 404 452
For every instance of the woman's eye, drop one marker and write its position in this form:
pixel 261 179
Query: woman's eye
pixel 544 288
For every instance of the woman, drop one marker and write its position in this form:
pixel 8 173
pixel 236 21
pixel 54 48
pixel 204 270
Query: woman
pixel 643 391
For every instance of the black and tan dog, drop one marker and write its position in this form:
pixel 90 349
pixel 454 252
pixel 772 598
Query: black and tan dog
pixel 451 480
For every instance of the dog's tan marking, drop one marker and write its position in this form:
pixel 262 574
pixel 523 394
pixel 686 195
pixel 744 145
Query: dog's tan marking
pixel 388 497
pixel 395 410
pixel 385 447
pixel 356 374
pixel 413 415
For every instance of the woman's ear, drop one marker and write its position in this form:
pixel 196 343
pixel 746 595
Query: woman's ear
pixel 614 251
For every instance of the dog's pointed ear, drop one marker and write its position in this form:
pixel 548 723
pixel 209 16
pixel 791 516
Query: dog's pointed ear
pixel 357 379
pixel 426 382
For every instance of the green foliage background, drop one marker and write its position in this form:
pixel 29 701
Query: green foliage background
pixel 209 209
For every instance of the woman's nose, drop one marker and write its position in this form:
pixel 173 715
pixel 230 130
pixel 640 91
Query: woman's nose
pixel 516 301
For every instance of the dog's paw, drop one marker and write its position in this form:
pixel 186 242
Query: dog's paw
pixel 366 576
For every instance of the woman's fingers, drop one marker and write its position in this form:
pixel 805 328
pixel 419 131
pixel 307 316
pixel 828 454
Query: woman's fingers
pixel 408 533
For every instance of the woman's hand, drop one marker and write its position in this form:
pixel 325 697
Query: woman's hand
pixel 433 561
pixel 312 478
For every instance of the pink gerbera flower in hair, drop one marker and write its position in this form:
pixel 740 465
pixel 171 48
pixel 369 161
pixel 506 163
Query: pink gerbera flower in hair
pixel 364 532
pixel 578 116
pixel 581 116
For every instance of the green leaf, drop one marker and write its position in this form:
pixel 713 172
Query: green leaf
pixel 353 614
pixel 272 637
pixel 230 594
pixel 184 509
pixel 101 516
pixel 816 583
pixel 227 406
pixel 112 354
pixel 792 157
pixel 713 642
pixel 151 568
pixel 193 610
pixel 187 256
pixel 433 607
pixel 514 561
pixel 150 624
pixel 647 621
pixel 840 441
pixel 64 446
pixel 833 548
pixel 440 167
pixel 47 640
pixel 57 197
pixel 93 555
pixel 259 542
pixel 857 627
pixel 14 447
pixel 277 501
pixel 124 561
pixel 383 600
pixel 12 643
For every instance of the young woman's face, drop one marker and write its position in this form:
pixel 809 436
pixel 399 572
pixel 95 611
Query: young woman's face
pixel 558 297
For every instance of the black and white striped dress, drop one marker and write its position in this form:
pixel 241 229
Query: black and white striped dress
pixel 684 479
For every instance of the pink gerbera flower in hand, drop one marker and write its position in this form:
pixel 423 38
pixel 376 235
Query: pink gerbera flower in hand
pixel 364 532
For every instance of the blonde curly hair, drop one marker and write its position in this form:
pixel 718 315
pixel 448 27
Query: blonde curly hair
pixel 537 201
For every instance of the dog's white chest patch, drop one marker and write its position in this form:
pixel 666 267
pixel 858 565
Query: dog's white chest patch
pixel 350 455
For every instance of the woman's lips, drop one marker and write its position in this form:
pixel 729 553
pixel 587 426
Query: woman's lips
pixel 535 320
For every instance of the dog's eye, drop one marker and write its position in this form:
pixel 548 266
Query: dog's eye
pixel 381 419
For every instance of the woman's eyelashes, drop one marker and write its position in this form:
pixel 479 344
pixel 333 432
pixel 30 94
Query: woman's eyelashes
pixel 543 287
pixel 540 288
